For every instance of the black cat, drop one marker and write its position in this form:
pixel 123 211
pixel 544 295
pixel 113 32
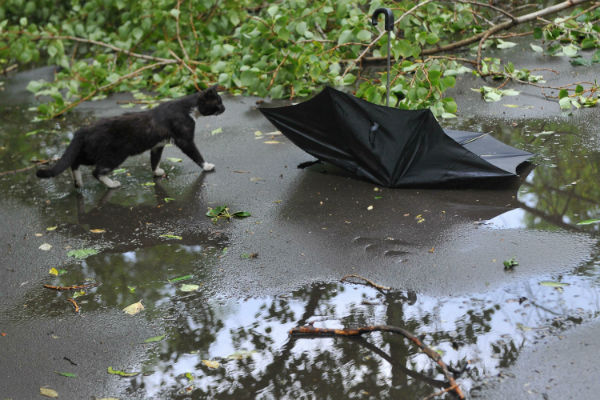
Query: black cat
pixel 108 142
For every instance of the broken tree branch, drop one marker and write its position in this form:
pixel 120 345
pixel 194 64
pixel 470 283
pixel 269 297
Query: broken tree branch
pixel 506 25
pixel 311 331
pixel 37 163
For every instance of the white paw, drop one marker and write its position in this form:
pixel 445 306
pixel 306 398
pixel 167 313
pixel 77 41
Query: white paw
pixel 208 166
pixel 159 172
pixel 112 184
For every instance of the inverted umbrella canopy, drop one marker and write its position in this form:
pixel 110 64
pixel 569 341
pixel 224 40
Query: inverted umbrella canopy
pixel 392 147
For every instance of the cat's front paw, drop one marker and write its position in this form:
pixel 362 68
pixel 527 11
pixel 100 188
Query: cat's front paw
pixel 159 172
pixel 208 166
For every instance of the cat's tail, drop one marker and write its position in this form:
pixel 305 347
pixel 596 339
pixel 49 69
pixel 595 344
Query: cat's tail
pixel 64 162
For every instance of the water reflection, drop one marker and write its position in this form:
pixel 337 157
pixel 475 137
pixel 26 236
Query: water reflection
pixel 258 359
pixel 563 189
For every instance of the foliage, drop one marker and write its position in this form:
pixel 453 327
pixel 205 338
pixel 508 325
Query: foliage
pixel 222 212
pixel 281 50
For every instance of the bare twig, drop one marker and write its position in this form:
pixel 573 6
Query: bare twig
pixel 478 4
pixel 368 281
pixel 311 331
pixel 73 287
pixel 277 71
pixel 37 163
pixel 75 305
pixel 178 32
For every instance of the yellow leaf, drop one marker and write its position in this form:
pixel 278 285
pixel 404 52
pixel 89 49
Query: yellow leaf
pixel 51 228
pixel 134 308
pixel 211 364
pixel 272 141
pixel 97 230
pixel 53 271
pixel 48 392
pixel 45 246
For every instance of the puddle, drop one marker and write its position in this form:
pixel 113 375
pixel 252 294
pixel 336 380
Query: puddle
pixel 563 189
pixel 231 349
pixel 248 336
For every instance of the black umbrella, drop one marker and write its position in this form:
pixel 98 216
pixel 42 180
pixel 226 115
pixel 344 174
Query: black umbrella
pixel 393 147
pixel 389 146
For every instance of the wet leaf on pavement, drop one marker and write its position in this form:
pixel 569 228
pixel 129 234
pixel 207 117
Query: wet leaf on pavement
pixel 134 308
pixel 82 253
pixel 121 373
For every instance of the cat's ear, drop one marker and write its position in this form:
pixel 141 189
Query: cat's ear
pixel 212 89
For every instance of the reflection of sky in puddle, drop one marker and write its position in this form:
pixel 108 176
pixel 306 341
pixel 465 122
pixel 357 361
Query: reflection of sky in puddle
pixel 486 329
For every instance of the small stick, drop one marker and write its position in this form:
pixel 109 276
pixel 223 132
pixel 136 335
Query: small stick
pixel 72 301
pixel 368 281
pixel 74 287
pixel 308 330
pixel 441 392
pixel 14 171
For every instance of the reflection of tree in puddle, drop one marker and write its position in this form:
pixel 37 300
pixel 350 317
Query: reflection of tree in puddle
pixel 563 189
pixel 258 359
pixel 127 277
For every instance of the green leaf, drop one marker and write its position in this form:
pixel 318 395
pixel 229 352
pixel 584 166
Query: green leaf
pixel 168 199
pixel 504 44
pixel 169 236
pixel 241 214
pixel 155 339
pixel 565 103
pixel 536 48
pixel 364 35
pixel 563 93
pixel 82 253
pixel 181 278
pixel 174 159
pixel 553 284
pixel 589 222
pixel 66 374
pixel 510 264
pixel 121 373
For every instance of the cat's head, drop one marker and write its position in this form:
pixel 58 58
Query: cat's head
pixel 209 102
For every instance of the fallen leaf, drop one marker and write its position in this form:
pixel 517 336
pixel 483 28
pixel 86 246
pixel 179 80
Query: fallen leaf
pixel 38 234
pixel 53 271
pixel 82 253
pixel 523 327
pixel 553 284
pixel 155 339
pixel 149 184
pixel 97 230
pixel 168 199
pixel 174 159
pixel 271 142
pixel 211 364
pixel 48 392
pixel 188 287
pixel 189 376
pixel 241 354
pixel 134 308
pixel 181 278
pixel 589 222
pixel 511 105
pixel 216 131
pixel 45 246
pixel 66 374
pixel 169 236
pixel 51 228
pixel 119 171
pixel 258 133
pixel 370 208
pixel 431 250
pixel 121 373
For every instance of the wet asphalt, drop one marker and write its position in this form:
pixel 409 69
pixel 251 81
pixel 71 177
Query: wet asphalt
pixel 307 226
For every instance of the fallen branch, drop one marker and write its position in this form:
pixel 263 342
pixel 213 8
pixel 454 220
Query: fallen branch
pixel 309 330
pixel 368 281
pixel 37 163
pixel 109 85
pixel 74 287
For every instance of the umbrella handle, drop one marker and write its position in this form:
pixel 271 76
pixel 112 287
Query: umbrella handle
pixel 389 18
pixel 389 27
